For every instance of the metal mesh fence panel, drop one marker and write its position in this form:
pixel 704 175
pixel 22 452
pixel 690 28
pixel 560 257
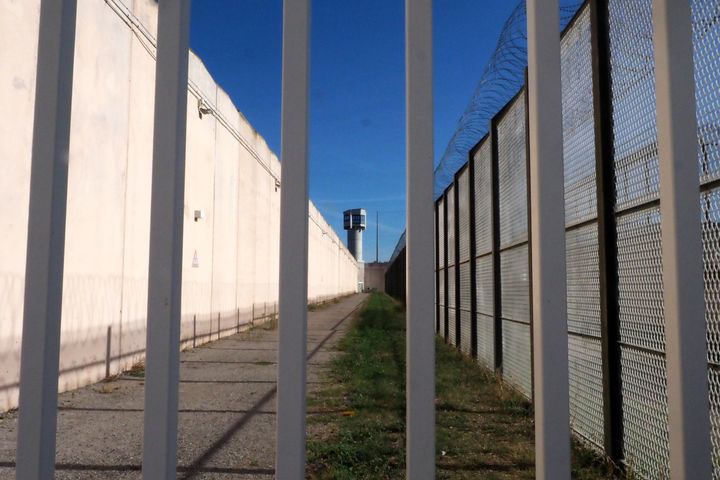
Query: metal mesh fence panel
pixel 515 284
pixel 706 43
pixel 710 207
pixel 483 198
pixel 441 290
pixel 465 334
pixel 512 171
pixel 578 122
pixel 633 96
pixel 451 304
pixel 583 280
pixel 486 340
pixel 465 308
pixel 484 289
pixel 451 225
pixel 463 186
pixel 464 286
pixel 642 322
pixel 451 326
pixel 714 378
pixel 450 298
pixel 484 285
pixel 443 233
pixel 642 325
pixel 442 238
pixel 517 364
pixel 485 318
pixel 586 389
pixel 515 289
pixel 645 412
pixel 514 268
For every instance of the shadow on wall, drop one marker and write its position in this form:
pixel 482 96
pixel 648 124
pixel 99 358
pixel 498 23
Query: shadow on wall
pixel 94 353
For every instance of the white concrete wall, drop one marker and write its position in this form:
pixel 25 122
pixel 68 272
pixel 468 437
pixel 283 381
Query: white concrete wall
pixel 230 175
pixel 374 274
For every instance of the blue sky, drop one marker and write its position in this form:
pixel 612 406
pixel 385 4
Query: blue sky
pixel 357 97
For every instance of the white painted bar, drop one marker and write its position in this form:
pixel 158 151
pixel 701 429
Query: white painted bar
pixel 166 237
pixel 687 381
pixel 46 242
pixel 547 214
pixel 292 333
pixel 420 242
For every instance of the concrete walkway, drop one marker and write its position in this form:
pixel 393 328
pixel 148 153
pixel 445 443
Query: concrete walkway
pixel 227 409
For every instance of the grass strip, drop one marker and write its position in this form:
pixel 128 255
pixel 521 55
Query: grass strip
pixel 484 428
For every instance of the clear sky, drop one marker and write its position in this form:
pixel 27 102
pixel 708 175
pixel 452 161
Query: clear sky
pixel 357 102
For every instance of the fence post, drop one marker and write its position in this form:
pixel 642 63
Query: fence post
pixel 292 335
pixel 166 239
pixel 607 234
pixel 550 352
pixel 687 381
pixel 46 241
pixel 419 249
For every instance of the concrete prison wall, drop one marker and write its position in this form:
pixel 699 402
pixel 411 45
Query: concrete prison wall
pixel 230 257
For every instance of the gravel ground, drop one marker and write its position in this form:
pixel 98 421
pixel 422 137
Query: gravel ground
pixel 227 409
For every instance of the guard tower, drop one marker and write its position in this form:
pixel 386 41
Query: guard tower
pixel 354 223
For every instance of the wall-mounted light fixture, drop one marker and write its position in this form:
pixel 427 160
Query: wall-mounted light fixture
pixel 199 215
pixel 203 109
pixel 277 184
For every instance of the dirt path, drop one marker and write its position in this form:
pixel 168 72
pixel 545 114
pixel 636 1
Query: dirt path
pixel 227 409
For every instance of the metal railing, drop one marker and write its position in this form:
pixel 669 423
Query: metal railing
pixel 685 356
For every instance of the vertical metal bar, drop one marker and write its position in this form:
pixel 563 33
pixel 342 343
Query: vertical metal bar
pixel 456 260
pixel 686 354
pixel 166 240
pixel 46 241
pixel 292 335
pixel 607 234
pixel 420 342
pixel 497 287
pixel 473 260
pixel 550 352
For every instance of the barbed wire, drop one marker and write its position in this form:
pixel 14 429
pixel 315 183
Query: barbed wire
pixel 502 78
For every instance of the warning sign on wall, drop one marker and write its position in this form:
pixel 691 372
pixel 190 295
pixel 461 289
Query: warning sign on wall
pixel 195 263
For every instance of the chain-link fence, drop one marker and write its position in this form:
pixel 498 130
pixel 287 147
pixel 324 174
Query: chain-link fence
pixel 616 319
